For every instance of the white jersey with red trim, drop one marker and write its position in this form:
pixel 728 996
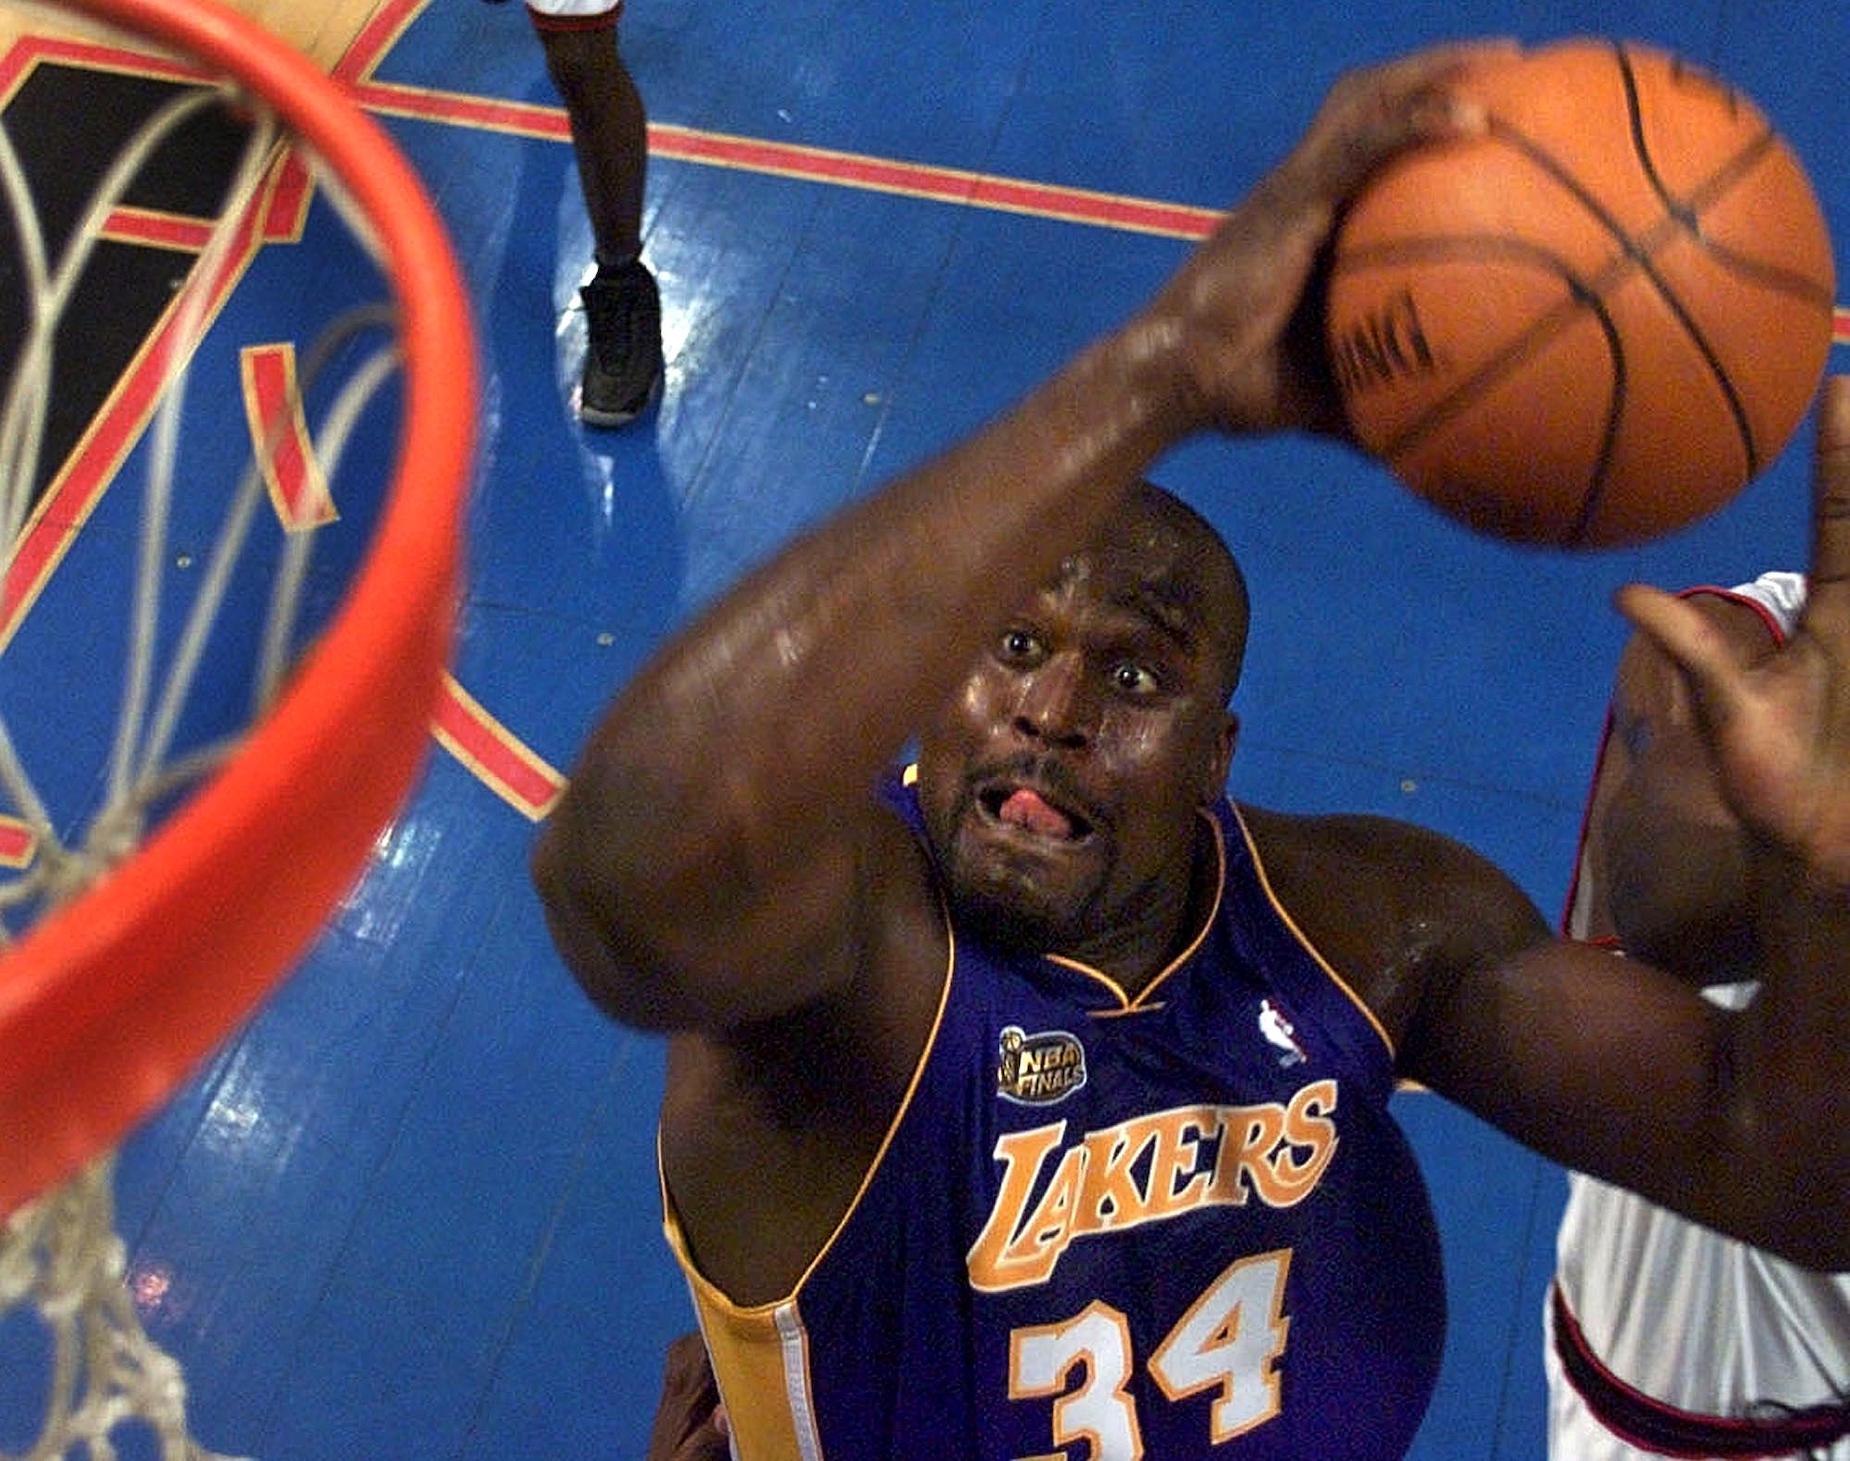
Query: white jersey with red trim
pixel 583 12
pixel 1694 1320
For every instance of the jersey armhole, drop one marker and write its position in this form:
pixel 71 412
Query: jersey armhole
pixel 709 1294
pixel 1329 970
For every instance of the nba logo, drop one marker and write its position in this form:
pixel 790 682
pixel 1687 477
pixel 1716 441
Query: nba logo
pixel 1280 1033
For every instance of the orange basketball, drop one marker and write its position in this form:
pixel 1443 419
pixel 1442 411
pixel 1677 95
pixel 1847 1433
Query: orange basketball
pixel 1596 323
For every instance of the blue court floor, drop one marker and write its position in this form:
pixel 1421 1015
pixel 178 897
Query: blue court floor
pixel 410 1211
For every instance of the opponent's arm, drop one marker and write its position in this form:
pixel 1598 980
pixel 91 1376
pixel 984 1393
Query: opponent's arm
pixel 717 859
pixel 1740 1120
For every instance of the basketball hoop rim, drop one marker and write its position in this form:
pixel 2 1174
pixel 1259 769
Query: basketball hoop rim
pixel 111 1001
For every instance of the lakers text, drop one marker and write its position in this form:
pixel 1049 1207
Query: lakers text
pixel 1144 1170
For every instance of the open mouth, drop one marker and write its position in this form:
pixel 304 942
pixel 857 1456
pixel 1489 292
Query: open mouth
pixel 1026 807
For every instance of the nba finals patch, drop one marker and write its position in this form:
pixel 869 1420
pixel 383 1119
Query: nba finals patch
pixel 1038 1070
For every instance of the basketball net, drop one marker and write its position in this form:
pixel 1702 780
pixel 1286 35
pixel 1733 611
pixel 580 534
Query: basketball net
pixel 60 1256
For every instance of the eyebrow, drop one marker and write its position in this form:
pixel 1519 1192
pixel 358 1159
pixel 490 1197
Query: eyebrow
pixel 1172 614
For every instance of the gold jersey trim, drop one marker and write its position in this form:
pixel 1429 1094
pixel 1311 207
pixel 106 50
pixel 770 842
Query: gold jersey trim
pixel 1265 884
pixel 761 1361
pixel 1143 1003
pixel 760 1352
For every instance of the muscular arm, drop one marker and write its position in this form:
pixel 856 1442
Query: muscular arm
pixel 717 860
pixel 1666 860
pixel 719 827
pixel 1620 1070
pixel 1591 1060
pixel 1608 1065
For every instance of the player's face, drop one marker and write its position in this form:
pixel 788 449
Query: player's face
pixel 1060 785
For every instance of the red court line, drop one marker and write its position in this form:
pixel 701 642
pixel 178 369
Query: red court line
pixel 523 119
pixel 811 164
pixel 497 757
pixel 376 38
pixel 162 230
pixel 290 191
pixel 1840 327
pixel 29 50
pixel 781 159
pixel 18 843
pixel 944 184
pixel 689 144
pixel 81 482
pixel 292 186
pixel 273 409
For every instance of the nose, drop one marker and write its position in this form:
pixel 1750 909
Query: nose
pixel 1054 707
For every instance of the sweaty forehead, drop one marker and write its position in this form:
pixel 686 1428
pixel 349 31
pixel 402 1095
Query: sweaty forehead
pixel 1162 561
pixel 1152 561
pixel 1154 584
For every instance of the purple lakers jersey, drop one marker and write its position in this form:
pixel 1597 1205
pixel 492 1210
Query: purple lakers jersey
pixel 1180 1225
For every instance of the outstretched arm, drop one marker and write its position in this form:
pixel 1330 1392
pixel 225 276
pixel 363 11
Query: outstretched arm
pixel 1778 730
pixel 717 859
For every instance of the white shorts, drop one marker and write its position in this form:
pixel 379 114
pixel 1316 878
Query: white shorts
pixel 574 14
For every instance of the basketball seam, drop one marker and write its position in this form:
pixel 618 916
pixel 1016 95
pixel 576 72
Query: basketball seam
pixel 1632 257
pixel 1690 219
pixel 1635 256
pixel 1594 497
pixel 1686 216
pixel 1769 276
pixel 1580 299
pixel 1634 108
pixel 1581 293
pixel 1517 351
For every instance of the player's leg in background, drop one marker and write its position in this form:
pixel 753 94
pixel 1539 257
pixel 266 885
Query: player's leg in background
pixel 623 355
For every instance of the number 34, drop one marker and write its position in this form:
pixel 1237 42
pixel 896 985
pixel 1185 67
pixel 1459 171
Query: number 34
pixel 1230 1339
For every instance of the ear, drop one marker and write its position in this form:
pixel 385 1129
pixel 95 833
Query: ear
pixel 1214 773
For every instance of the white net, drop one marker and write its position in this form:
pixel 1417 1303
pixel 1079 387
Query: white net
pixel 60 1255
pixel 61 1261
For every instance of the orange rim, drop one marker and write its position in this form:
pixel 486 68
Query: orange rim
pixel 112 1001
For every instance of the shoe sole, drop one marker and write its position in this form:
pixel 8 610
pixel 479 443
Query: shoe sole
pixel 591 416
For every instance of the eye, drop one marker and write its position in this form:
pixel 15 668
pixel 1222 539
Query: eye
pixel 1019 645
pixel 1131 678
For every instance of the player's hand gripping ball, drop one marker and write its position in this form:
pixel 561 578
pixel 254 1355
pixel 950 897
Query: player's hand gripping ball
pixel 1597 322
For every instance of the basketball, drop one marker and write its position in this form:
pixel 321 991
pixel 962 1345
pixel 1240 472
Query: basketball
pixel 1595 323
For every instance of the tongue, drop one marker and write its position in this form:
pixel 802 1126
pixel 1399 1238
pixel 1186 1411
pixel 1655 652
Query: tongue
pixel 1026 809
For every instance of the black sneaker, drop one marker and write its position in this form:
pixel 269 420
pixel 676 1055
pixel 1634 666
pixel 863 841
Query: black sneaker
pixel 623 345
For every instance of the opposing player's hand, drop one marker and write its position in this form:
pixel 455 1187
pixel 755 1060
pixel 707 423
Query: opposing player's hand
pixel 1779 727
pixel 1244 311
pixel 690 1423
